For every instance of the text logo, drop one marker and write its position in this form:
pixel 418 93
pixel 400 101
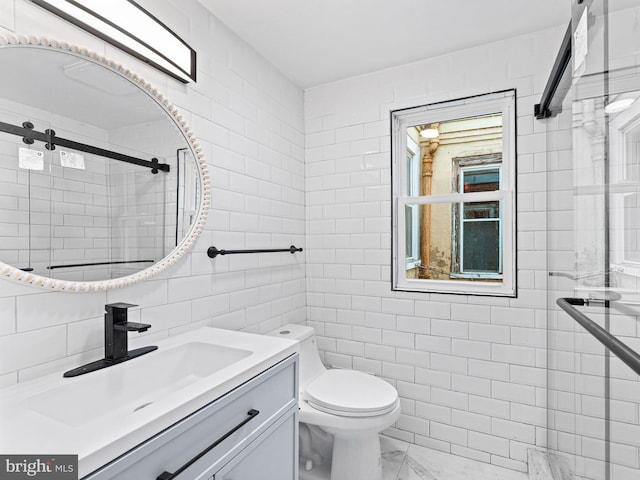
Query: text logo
pixel 44 467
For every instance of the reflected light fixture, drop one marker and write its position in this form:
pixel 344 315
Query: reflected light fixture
pixel 429 132
pixel 619 104
pixel 131 28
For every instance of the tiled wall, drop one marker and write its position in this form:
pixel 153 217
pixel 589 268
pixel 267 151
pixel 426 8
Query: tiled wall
pixel 249 120
pixel 470 370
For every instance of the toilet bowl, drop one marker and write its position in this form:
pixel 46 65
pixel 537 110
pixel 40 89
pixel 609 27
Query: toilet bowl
pixel 351 406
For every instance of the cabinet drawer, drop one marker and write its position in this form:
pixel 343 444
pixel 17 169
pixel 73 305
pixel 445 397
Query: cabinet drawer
pixel 271 393
pixel 272 456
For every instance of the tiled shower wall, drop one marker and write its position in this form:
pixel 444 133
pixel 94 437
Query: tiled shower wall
pixel 249 120
pixel 470 370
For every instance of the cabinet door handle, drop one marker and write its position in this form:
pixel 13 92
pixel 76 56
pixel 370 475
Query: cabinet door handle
pixel 251 414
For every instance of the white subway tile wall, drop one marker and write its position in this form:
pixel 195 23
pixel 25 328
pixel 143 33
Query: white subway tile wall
pixel 470 370
pixel 249 121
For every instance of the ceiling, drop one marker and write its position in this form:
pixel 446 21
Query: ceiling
pixel 70 87
pixel 319 41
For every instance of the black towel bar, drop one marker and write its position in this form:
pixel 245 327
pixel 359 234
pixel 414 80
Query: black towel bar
pixel 213 252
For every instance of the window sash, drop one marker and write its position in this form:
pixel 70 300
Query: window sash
pixel 471 197
pixel 461 286
pixel 470 273
pixel 413 185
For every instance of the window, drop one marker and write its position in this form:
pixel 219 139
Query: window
pixel 453 167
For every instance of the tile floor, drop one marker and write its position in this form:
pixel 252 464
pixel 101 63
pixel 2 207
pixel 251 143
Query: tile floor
pixel 404 461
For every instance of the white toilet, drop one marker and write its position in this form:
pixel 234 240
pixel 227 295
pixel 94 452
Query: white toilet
pixel 352 406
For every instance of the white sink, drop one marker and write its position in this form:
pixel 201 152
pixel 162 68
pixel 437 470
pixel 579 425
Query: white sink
pixel 103 414
pixel 135 384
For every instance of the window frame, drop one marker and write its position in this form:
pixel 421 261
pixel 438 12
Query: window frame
pixel 503 102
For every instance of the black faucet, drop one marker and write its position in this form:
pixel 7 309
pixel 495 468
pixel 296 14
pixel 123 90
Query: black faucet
pixel 116 342
pixel 116 326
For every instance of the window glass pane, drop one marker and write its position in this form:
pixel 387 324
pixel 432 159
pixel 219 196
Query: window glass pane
pixel 409 229
pixel 473 141
pixel 481 247
pixel 412 167
pixel 632 156
pixel 481 180
pixel 632 227
pixel 479 210
pixel 440 254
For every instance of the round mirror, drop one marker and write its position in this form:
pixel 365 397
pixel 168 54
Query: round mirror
pixel 102 184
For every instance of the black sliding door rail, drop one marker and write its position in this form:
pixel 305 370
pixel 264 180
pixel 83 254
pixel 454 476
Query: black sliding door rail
pixel 213 252
pixel 621 350
pixel 559 81
pixel 51 141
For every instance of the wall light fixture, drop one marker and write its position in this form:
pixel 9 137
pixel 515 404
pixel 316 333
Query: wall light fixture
pixel 131 28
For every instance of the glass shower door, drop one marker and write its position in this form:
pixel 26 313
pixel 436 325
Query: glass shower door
pixel 593 245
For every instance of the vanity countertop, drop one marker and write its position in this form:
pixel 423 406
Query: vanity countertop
pixel 96 417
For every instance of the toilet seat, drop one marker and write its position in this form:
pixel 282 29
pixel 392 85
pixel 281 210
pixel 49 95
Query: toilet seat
pixel 349 393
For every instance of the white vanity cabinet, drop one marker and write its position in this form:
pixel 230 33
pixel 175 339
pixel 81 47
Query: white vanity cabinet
pixel 249 433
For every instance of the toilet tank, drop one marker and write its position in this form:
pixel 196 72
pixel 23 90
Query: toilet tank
pixel 310 364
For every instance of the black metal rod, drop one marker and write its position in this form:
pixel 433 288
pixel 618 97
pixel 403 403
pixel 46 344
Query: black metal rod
pixel 629 356
pixel 251 414
pixel 53 267
pixel 50 139
pixel 558 82
pixel 213 252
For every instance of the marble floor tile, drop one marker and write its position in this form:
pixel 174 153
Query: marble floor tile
pixel 545 465
pixel 394 454
pixel 403 461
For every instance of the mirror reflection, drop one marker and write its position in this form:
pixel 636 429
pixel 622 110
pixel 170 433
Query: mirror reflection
pixel 623 114
pixel 96 179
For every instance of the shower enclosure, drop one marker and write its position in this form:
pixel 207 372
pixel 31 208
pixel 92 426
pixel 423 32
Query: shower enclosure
pixel 592 117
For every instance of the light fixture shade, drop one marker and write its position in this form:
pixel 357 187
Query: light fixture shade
pixel 131 28
pixel 619 105
pixel 430 133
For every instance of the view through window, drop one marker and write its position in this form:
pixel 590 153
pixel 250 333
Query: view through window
pixel 456 189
